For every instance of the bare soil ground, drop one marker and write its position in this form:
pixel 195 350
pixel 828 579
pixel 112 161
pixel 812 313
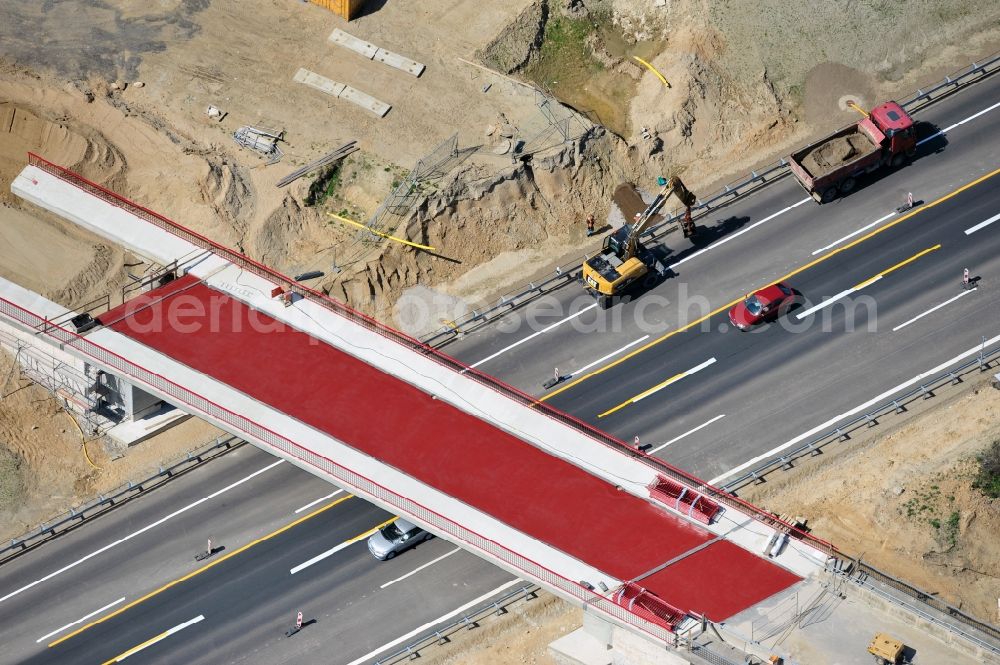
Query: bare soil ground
pixel 904 500
pixel 44 470
pixel 517 638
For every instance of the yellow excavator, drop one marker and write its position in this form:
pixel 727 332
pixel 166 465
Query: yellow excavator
pixel 623 259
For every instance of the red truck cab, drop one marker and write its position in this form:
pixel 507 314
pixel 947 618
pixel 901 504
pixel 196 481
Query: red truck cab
pixel 897 126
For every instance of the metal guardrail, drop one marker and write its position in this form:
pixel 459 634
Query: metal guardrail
pixel 356 483
pixel 361 485
pixel 728 194
pixel 207 407
pixel 441 635
pixel 952 82
pixel 868 419
pixel 863 571
pixel 106 502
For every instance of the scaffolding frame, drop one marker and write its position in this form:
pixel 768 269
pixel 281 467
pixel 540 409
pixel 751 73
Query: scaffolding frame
pixel 79 391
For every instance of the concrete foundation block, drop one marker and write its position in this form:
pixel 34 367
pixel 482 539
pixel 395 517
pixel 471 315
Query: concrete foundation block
pixel 580 648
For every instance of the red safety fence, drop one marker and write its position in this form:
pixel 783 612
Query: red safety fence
pixel 256 268
pixel 356 483
pixel 684 499
pixel 649 606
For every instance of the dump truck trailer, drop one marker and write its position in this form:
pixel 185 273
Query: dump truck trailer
pixel 830 167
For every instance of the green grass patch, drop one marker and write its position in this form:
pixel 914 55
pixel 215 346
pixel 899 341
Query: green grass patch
pixel 12 481
pixel 951 528
pixel 324 186
pixel 564 56
pixel 987 479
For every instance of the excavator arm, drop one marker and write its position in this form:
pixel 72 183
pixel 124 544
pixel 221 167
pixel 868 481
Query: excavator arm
pixel 673 187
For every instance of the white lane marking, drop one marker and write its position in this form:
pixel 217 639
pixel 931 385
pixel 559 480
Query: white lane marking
pixel 933 309
pixel 430 624
pixel 319 557
pixel 960 122
pixel 972 229
pixel 830 301
pixel 690 431
pixel 136 533
pixel 241 481
pixel 162 636
pixel 854 233
pixel 674 379
pixel 740 232
pixel 333 550
pixel 80 620
pixel 610 355
pixel 856 410
pixel 533 335
pixel 418 569
pixel 322 498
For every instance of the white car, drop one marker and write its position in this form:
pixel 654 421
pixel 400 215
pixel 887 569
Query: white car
pixel 395 537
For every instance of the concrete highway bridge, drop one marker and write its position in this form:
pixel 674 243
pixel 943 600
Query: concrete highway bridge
pixel 645 548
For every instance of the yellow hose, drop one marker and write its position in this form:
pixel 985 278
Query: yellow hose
pixel 380 233
pixel 858 109
pixel 652 69
pixel 83 440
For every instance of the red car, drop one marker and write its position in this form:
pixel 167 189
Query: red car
pixel 763 305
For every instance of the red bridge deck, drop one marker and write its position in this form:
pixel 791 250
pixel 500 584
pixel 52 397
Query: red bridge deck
pixel 448 449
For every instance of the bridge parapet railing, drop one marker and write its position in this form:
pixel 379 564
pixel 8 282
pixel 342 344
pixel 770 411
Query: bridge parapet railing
pixel 256 268
pixel 347 478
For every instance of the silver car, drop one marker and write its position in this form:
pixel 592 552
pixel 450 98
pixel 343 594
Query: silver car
pixel 395 537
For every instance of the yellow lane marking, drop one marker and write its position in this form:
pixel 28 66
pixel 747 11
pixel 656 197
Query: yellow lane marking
pixel 803 268
pixel 652 69
pixel 674 378
pixel 865 283
pixel 896 267
pixel 199 571
pixel 381 233
pixel 659 386
pixel 857 287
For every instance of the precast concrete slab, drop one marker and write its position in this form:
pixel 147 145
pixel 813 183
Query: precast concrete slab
pixel 373 52
pixel 321 83
pixel 365 101
pixel 352 43
pixel 341 91
pixel 399 62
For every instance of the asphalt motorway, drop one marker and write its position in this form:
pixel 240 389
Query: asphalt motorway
pixel 135 569
pixel 752 393
pixel 759 390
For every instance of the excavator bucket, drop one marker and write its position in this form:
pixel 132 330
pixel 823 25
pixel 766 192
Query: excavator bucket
pixel 685 196
pixel 687 224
